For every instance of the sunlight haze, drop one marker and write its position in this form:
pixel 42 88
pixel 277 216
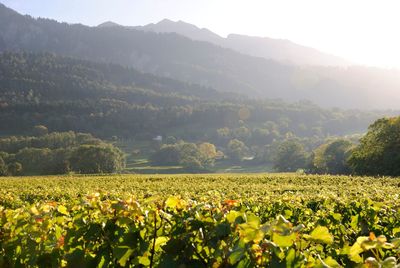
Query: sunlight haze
pixel 364 32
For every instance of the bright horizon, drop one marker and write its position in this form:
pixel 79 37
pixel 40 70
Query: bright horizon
pixel 364 32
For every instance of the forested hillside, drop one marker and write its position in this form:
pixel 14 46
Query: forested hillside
pixel 106 99
pixel 178 57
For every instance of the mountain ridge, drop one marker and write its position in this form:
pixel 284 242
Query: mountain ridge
pixel 282 50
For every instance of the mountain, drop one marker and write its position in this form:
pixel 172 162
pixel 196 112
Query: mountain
pixel 197 62
pixel 189 30
pixel 282 50
pixel 268 48
pixel 109 24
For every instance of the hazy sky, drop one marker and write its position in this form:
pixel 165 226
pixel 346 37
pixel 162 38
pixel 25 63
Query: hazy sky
pixel 365 31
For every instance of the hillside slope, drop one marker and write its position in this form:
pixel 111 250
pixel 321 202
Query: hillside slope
pixel 107 99
pixel 178 57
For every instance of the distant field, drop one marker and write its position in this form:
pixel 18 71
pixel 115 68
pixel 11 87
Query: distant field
pixel 217 186
pixel 212 220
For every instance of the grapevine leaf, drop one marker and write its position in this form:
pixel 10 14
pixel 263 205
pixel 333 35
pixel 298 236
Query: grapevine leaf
pixel 284 240
pixel 122 254
pixel 321 234
pixel 172 202
pixel 389 262
pixel 62 209
pixel 356 249
pixel 236 255
pixel 372 263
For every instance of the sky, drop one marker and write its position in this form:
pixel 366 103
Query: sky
pixel 363 31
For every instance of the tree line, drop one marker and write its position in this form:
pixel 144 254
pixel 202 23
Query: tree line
pixel 58 153
pixel 377 153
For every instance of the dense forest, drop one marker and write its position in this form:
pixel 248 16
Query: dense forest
pixel 110 100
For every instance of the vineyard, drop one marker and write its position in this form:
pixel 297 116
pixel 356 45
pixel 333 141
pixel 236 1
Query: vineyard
pixel 230 220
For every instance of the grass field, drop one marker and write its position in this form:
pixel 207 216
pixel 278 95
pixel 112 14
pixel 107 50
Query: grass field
pixel 212 220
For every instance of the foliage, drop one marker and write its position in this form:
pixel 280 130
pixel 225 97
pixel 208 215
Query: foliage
pixel 89 159
pixel 191 156
pixel 14 169
pixel 63 225
pixel 167 155
pixel 40 130
pixel 54 140
pixel 108 100
pixel 3 167
pixel 237 150
pixel 332 157
pixel 35 160
pixel 379 150
pixel 51 154
pixel 290 156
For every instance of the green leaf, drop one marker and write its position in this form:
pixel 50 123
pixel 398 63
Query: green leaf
pixel 160 241
pixel 389 262
pixel 331 262
pixel 122 254
pixel 284 240
pixel 63 210
pixel 356 249
pixel 321 234
pixel 223 229
pixel 253 220
pixel 396 230
pixel 244 263
pixel 102 262
pixel 337 216
pixel 354 222
pixel 236 255
pixel 144 261
pixel 290 258
pixel 233 215
pixel 369 244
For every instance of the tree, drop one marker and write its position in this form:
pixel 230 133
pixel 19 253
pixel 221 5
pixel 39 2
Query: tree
pixel 14 168
pixel 3 167
pixel 170 140
pixel 237 150
pixel 332 157
pixel 60 162
pixel 242 133
pixel 191 156
pixel 192 164
pixel 167 155
pixel 379 150
pixel 290 156
pixel 40 130
pixel 209 153
pixel 261 136
pixel 35 160
pixel 90 159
